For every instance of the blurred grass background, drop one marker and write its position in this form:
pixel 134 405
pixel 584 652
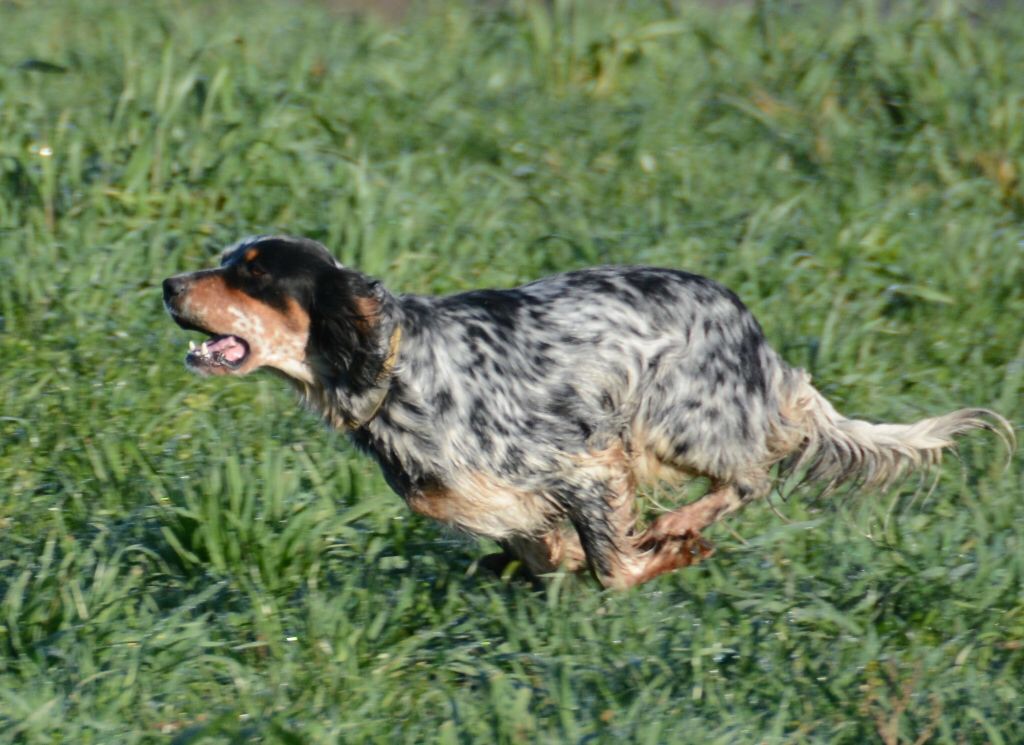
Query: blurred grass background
pixel 186 560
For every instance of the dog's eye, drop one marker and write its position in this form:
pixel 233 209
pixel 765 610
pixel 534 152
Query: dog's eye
pixel 255 269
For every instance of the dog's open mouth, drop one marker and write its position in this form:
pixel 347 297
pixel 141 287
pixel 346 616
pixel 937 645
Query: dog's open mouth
pixel 217 354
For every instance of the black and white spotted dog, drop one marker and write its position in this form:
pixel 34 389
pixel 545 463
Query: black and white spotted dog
pixel 531 415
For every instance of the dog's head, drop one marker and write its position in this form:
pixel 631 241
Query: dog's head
pixel 286 304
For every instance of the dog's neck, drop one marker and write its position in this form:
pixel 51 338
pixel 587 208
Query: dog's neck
pixel 346 409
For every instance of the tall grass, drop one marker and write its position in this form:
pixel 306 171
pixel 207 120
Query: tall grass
pixel 198 561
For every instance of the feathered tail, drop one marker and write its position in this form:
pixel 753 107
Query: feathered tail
pixel 835 449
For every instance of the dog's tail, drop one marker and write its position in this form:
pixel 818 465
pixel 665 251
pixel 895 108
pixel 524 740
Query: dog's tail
pixel 834 449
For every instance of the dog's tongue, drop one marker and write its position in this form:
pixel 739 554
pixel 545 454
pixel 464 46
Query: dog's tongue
pixel 231 348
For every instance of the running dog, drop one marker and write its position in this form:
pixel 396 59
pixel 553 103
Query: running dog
pixel 531 415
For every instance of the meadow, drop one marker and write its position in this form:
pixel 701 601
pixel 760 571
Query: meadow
pixel 188 560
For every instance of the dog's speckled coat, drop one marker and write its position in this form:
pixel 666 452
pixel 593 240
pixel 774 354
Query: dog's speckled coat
pixel 531 415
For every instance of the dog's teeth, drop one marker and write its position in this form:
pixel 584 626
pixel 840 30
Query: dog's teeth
pixel 206 352
pixel 191 345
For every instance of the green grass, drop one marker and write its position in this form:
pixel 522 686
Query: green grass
pixel 186 560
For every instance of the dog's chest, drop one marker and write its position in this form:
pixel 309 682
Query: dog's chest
pixel 482 504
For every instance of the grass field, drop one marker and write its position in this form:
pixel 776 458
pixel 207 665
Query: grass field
pixel 193 561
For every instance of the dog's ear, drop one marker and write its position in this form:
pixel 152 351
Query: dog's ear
pixel 350 328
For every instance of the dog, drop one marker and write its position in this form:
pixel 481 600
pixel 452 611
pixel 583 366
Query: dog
pixel 531 415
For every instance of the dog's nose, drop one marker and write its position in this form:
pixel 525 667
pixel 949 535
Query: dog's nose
pixel 173 286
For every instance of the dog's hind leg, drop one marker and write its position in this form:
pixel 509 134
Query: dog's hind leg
pixel 599 500
pixel 605 522
pixel 688 521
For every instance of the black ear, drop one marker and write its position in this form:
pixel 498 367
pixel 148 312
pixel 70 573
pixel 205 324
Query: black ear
pixel 350 327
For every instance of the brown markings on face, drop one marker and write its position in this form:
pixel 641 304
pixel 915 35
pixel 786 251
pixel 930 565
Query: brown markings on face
pixel 276 338
pixel 252 254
